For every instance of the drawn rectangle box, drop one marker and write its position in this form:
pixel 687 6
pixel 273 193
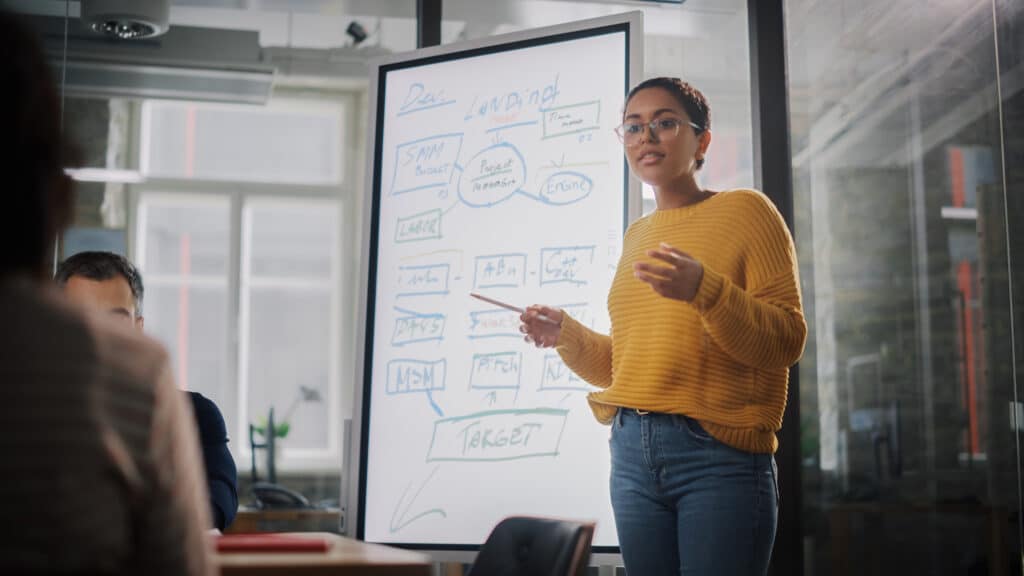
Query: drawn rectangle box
pixel 566 264
pixel 558 376
pixel 423 280
pixel 422 226
pixel 407 375
pixel 498 435
pixel 494 324
pixel 419 328
pixel 425 163
pixel 572 119
pixel 500 271
pixel 496 371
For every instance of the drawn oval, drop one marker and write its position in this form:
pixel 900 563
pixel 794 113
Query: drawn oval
pixel 492 176
pixel 566 187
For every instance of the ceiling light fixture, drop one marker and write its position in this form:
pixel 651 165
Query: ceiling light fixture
pixel 126 19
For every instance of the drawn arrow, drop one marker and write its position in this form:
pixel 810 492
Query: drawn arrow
pixel 433 404
pixel 450 208
pixel 400 517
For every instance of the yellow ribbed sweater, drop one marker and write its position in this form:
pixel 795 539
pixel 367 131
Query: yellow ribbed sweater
pixel 723 358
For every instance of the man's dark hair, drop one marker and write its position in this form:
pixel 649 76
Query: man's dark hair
pixel 101 266
pixel 31 150
pixel 691 99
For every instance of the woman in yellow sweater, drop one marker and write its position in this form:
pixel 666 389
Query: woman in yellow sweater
pixel 706 320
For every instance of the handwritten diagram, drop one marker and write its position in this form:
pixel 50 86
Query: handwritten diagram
pixel 505 180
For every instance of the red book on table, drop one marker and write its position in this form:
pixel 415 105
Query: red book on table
pixel 270 543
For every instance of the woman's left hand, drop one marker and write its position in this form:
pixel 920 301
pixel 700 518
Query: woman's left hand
pixel 679 280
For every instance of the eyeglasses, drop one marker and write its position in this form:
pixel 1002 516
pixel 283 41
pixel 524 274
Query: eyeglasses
pixel 630 133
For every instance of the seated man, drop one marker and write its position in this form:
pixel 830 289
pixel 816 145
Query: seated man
pixel 100 468
pixel 108 282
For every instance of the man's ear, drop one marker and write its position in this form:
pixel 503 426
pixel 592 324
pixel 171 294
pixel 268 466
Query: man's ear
pixel 140 323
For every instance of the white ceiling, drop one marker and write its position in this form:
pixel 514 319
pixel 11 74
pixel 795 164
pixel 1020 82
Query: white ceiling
pixel 321 24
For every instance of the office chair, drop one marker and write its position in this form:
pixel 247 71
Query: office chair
pixel 529 546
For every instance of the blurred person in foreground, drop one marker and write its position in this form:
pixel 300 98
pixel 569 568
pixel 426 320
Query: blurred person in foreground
pixel 99 466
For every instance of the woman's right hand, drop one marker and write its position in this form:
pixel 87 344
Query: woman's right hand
pixel 541 325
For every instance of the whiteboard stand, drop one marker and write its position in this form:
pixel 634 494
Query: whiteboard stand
pixel 492 167
pixel 346 527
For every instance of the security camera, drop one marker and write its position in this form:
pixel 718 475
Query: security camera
pixel 356 31
pixel 126 19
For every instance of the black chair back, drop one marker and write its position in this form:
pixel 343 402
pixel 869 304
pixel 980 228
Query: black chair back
pixel 529 546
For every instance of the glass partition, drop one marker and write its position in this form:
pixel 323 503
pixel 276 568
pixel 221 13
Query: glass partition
pixel 903 146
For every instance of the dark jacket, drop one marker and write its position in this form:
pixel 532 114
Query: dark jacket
pixel 221 475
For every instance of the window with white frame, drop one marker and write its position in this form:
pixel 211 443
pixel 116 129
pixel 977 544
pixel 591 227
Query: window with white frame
pixel 237 236
pixel 287 142
pixel 289 332
pixel 182 247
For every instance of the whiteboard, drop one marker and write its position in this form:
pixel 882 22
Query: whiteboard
pixel 495 169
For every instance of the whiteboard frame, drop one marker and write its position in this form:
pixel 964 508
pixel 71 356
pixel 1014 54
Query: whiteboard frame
pixel 352 491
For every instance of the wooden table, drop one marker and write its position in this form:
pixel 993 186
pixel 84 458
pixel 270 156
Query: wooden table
pixel 345 557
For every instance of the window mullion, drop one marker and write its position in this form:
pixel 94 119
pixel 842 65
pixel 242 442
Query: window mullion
pixel 235 319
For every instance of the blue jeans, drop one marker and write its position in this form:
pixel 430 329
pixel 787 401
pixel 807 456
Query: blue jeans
pixel 686 504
